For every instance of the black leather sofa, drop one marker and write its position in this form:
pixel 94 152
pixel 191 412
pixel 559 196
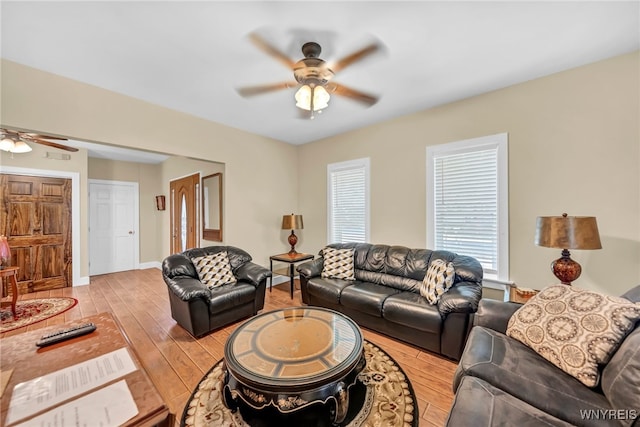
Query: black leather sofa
pixel 385 296
pixel 199 309
pixel 500 381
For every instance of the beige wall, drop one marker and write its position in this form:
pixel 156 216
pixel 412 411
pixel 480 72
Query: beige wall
pixel 260 173
pixel 179 167
pixel 148 177
pixel 153 180
pixel 574 147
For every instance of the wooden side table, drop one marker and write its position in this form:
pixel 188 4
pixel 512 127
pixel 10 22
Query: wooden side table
pixel 11 273
pixel 292 260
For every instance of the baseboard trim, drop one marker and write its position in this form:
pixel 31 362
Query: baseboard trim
pixel 150 264
pixel 82 281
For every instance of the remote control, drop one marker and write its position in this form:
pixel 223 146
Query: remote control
pixel 66 334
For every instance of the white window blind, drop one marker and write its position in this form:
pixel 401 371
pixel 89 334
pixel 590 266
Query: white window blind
pixel 348 201
pixel 467 201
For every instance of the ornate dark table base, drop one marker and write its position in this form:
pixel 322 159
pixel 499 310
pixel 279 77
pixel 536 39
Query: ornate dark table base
pixel 293 359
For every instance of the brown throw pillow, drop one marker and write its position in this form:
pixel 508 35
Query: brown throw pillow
pixel 573 328
pixel 338 264
pixel 214 270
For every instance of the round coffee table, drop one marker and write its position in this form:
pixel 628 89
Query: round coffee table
pixel 293 358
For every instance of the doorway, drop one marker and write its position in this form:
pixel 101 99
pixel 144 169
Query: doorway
pixel 113 226
pixel 184 213
pixel 36 218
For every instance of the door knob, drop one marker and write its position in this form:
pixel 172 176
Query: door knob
pixel 131 232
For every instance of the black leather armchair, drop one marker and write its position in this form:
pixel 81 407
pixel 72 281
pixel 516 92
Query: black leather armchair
pixel 199 309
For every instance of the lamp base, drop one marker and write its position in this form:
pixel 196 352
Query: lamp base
pixel 566 269
pixel 293 239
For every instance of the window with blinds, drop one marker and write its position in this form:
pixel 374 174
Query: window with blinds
pixel 348 201
pixel 467 204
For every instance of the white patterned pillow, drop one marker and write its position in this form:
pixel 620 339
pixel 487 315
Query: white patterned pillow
pixel 438 280
pixel 214 270
pixel 573 328
pixel 338 264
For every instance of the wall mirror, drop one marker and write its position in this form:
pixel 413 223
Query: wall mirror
pixel 212 207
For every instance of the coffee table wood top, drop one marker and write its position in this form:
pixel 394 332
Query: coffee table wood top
pixel 299 345
pixel 20 353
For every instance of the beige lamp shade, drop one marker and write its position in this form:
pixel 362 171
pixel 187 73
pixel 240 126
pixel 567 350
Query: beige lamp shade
pixel 567 232
pixel 292 222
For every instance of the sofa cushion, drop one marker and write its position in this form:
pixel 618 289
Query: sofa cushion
pixel 621 376
pixel 480 404
pixel 328 289
pixel 513 367
pixel 214 269
pixel 410 309
pixel 573 328
pixel 230 296
pixel 338 264
pixel 437 280
pixel 366 297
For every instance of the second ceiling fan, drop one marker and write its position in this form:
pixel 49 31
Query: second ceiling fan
pixel 17 142
pixel 313 76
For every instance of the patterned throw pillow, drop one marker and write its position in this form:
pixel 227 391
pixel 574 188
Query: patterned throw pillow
pixel 214 270
pixel 438 280
pixel 573 328
pixel 338 264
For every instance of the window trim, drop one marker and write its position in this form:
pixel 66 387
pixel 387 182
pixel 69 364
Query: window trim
pixel 346 165
pixel 501 142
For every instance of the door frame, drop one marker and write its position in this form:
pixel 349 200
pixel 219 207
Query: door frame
pixel 75 214
pixel 136 216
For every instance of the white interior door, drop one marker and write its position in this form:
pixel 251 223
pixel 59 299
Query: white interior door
pixel 113 226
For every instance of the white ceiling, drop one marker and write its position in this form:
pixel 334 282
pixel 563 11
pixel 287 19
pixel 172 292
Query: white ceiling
pixel 190 56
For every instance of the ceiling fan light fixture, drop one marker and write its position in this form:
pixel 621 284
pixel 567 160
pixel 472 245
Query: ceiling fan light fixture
pixel 312 98
pixel 21 147
pixel 14 145
pixel 7 144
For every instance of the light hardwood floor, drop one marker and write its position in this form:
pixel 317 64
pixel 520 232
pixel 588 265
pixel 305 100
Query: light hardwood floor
pixel 176 361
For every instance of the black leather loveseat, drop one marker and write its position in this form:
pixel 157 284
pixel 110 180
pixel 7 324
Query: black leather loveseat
pixel 385 296
pixel 502 382
pixel 199 309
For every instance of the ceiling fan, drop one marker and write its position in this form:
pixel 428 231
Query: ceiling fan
pixel 16 141
pixel 313 76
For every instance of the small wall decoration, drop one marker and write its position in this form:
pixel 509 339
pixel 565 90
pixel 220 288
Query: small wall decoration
pixel 160 203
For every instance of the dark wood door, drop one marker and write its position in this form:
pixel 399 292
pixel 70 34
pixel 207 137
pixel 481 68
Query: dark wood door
pixel 184 215
pixel 36 218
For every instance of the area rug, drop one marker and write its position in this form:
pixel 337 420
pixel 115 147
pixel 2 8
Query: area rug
pixel 382 396
pixel 32 311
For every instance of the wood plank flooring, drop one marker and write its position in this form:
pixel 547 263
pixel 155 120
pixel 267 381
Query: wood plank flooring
pixel 176 361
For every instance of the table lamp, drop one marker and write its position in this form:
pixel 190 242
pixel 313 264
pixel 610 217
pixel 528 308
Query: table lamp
pixel 5 253
pixel 567 232
pixel 292 222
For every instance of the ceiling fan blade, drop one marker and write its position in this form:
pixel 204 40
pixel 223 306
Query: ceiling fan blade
pixel 39 136
pixel 271 50
pixel 354 57
pixel 51 144
pixel 258 90
pixel 364 98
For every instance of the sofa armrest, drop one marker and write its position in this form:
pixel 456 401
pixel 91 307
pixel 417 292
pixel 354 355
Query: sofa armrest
pixel 494 314
pixel 311 268
pixel 252 273
pixel 187 288
pixel 462 298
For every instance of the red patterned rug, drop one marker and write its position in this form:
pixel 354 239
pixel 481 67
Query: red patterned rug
pixel 33 311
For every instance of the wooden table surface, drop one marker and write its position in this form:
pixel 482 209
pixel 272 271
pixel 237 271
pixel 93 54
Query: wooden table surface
pixel 20 353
